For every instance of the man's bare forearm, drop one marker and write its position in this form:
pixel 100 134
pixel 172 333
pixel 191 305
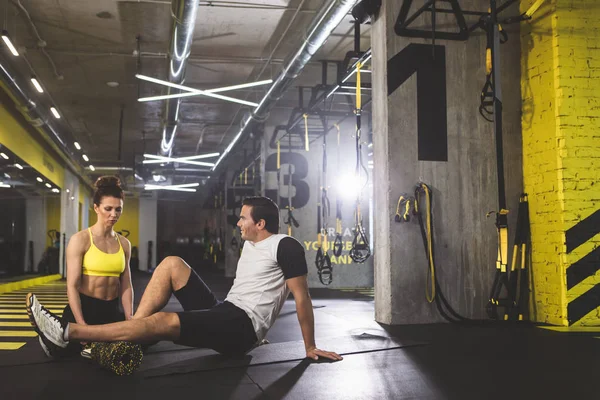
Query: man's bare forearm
pixel 306 319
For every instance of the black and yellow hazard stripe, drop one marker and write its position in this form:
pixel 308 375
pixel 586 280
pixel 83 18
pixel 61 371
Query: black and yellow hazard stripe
pixel 15 329
pixel 583 291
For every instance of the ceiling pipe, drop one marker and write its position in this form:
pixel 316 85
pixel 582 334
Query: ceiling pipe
pixel 40 120
pixel 327 19
pixel 182 32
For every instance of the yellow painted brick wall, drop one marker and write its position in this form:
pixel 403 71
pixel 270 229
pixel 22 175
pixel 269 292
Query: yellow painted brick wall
pixel 578 119
pixel 561 146
pixel 542 166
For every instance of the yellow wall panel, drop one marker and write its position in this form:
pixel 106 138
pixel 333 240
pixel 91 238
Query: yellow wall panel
pixel 561 148
pixel 20 142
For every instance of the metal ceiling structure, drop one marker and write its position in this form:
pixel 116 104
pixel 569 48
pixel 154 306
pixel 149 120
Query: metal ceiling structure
pixel 86 56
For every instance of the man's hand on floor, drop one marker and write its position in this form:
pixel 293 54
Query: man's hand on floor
pixel 315 353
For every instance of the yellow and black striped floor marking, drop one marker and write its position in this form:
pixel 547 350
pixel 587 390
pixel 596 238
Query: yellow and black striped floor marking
pixel 583 254
pixel 15 328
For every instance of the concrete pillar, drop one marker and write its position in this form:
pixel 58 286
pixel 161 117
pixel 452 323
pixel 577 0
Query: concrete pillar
pixel 232 235
pixel 35 220
pixel 69 216
pixel 560 67
pixel 148 231
pixel 461 172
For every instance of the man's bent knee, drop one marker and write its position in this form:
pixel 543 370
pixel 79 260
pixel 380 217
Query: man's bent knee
pixel 166 324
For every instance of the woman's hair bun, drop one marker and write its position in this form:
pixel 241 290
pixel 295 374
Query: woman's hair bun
pixel 108 181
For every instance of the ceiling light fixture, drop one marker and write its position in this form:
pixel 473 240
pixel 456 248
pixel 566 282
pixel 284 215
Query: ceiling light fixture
pixel 55 112
pixel 85 158
pixel 216 90
pixel 8 43
pixel 196 91
pixel 55 190
pixel 77 146
pixel 19 166
pixel 48 185
pixel 39 179
pixel 185 187
pixel 4 156
pixel 68 191
pixel 196 157
pixel 37 85
pixel 4 185
pixel 91 167
pixel 162 161
pixel 184 160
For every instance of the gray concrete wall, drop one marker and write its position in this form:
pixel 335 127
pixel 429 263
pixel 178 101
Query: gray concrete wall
pixel 308 166
pixel 464 187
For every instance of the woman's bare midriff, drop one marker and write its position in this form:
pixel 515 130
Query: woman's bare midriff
pixel 100 287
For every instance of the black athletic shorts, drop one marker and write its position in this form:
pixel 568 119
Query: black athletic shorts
pixel 208 323
pixel 95 312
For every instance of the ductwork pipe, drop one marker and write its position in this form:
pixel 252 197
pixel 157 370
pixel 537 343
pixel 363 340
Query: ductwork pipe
pixel 326 20
pixel 182 32
pixel 39 119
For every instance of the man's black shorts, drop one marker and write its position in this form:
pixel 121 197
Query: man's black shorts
pixel 207 323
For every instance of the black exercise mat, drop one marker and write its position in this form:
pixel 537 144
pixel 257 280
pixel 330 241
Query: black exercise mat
pixel 182 362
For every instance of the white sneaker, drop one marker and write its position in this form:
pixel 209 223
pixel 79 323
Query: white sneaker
pixel 45 322
pixel 87 353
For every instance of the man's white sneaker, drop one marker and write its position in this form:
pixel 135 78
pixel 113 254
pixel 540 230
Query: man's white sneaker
pixel 45 322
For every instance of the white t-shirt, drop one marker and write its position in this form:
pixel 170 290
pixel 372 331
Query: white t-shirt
pixel 259 287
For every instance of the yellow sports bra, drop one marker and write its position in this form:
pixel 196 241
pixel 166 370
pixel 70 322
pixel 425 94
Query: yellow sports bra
pixel 98 263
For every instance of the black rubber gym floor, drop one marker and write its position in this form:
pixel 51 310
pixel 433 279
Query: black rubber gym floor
pixel 439 361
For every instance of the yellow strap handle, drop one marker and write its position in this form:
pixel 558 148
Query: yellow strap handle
pixel 246 176
pixel 319 239
pixel 503 248
pixel 398 205
pixel 338 225
pixel 278 155
pixel 325 245
pixel 306 132
pixel 534 8
pixel 488 61
pixel 513 265
pixel 290 229
pixel 358 99
pixel 338 132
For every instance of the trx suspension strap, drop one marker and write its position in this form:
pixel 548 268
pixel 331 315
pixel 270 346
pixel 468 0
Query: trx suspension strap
pixel 427 231
pixel 518 282
pixel 338 244
pixel 322 260
pixel 290 217
pixel 493 35
pixel 360 250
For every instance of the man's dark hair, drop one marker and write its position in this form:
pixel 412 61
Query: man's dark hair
pixel 264 208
